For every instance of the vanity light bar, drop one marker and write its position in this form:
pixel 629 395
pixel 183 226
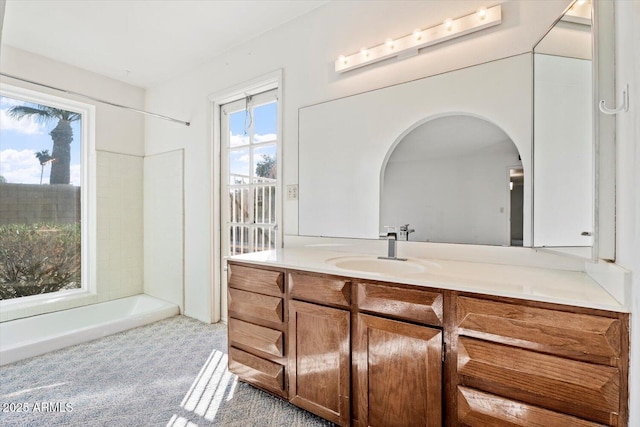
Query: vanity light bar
pixel 410 45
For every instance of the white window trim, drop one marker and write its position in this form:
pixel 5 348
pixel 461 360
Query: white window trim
pixel 238 106
pixel 88 204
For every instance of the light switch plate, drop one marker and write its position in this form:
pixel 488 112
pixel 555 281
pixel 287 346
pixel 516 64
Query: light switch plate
pixel 292 192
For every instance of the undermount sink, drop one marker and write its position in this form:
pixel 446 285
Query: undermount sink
pixel 370 264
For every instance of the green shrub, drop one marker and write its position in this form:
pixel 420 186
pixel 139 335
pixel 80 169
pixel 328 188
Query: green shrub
pixel 38 259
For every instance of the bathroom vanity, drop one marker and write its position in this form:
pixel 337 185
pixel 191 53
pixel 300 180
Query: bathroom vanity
pixel 368 342
pixel 443 343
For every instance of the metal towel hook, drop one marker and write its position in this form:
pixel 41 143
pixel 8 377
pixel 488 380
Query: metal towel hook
pixel 624 107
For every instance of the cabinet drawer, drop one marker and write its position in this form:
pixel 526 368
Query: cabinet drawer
pixel 253 369
pixel 257 337
pixel 410 304
pixel 321 289
pixel 256 305
pixel 582 389
pixel 579 336
pixel 267 282
pixel 478 409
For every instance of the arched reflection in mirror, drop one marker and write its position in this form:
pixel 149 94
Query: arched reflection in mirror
pixel 455 179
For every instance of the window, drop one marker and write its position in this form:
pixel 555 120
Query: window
pixel 250 171
pixel 44 216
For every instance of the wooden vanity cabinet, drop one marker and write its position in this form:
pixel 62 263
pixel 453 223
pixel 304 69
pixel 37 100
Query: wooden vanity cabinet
pixel 366 353
pixel 257 327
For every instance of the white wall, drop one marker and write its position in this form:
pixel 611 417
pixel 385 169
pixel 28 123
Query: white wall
pixel 628 176
pixel 305 49
pixel 119 149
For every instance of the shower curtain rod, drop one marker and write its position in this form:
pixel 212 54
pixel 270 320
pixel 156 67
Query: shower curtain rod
pixel 97 100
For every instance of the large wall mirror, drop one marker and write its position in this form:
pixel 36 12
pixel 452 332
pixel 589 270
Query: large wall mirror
pixel 438 153
pixel 459 158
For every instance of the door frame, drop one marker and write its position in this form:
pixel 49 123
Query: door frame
pixel 508 207
pixel 269 81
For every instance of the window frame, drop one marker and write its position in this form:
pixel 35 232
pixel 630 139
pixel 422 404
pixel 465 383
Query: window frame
pixel 88 227
pixel 257 100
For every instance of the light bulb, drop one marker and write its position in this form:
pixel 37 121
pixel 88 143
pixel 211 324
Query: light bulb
pixel 448 24
pixel 364 51
pixel 343 59
pixel 417 34
pixel 390 43
pixel 482 13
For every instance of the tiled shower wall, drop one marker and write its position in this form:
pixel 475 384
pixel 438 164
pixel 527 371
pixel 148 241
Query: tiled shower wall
pixel 120 228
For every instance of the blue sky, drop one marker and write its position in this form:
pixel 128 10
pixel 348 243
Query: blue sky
pixel 264 128
pixel 21 139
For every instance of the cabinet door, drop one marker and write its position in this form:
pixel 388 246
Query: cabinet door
pixel 319 362
pixel 398 373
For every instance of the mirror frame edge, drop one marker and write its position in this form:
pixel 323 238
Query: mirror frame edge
pixel 603 139
pixel 603 13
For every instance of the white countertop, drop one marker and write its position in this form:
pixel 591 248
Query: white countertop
pixel 573 288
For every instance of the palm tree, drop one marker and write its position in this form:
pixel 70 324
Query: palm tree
pixel 62 136
pixel 44 158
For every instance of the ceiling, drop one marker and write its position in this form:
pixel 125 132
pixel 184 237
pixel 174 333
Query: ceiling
pixel 141 42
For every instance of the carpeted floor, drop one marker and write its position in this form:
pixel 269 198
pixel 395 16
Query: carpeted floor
pixel 170 373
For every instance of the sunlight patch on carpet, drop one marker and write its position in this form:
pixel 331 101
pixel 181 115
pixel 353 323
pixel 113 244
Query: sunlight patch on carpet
pixel 212 384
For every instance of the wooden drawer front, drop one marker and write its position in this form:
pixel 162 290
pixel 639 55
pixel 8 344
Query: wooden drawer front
pixel 267 282
pixel 321 289
pixel 478 409
pixel 579 336
pixel 254 369
pixel 411 304
pixel 264 339
pixel 582 389
pixel 256 305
